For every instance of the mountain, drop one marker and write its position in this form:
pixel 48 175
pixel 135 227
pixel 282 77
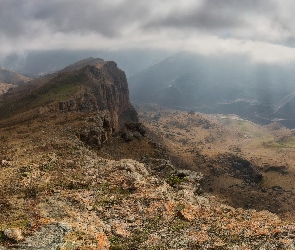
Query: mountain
pixel 215 85
pixel 10 79
pixel 78 65
pixel 88 85
pixel 77 171
pixel 4 87
pixel 8 76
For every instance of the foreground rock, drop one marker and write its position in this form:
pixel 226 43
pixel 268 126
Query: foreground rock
pixel 124 206
pixel 14 234
pixel 47 237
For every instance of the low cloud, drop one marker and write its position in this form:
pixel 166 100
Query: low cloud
pixel 260 28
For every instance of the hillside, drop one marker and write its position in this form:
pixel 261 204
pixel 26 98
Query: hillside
pixel 80 87
pixel 77 171
pixel 186 81
pixel 58 193
pixel 4 87
pixel 249 165
pixel 8 76
pixel 10 79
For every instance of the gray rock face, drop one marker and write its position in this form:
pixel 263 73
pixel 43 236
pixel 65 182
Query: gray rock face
pixel 128 136
pixel 133 130
pixel 48 237
pixel 98 131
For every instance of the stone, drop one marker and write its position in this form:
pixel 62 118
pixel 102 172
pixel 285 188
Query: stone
pixel 128 136
pixel 14 234
pixel 5 163
pixel 136 126
pixel 120 231
pixel 49 236
pixel 137 135
pixel 102 242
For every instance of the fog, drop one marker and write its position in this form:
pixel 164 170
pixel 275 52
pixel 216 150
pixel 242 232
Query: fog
pixel 239 55
pixel 215 84
pixel 262 29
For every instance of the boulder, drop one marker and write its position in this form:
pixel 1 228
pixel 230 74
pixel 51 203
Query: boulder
pixel 14 234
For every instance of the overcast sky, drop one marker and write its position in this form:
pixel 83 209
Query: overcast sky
pixel 262 29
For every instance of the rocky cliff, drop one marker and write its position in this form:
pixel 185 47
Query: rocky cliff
pixel 78 88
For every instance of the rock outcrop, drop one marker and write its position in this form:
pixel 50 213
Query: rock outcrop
pixel 98 131
pixel 105 88
pixel 125 206
pixel 78 88
pixel 111 92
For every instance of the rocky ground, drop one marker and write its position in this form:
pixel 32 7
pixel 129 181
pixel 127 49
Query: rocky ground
pixel 248 165
pixel 59 192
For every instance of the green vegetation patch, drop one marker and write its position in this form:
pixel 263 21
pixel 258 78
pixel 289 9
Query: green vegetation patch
pixel 59 88
pixel 285 142
pixel 174 180
pixel 288 141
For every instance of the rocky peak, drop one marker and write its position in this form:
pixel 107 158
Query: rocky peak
pixel 87 86
pixel 112 92
pixel 82 63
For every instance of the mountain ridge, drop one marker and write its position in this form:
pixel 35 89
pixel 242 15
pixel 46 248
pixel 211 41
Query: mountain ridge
pixel 79 87
pixel 11 77
pixel 186 81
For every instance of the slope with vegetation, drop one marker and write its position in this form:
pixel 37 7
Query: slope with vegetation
pixel 67 181
pixel 10 79
pixel 249 165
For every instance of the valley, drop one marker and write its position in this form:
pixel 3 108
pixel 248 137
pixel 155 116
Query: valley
pixel 260 93
pixel 216 144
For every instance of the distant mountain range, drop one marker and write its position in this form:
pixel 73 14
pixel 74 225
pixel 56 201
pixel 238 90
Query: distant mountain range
pixel 10 79
pixel 231 85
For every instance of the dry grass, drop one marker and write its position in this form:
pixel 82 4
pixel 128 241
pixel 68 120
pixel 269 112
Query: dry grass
pixel 197 141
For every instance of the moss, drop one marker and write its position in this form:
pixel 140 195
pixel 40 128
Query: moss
pixel 2 237
pixel 31 192
pixel 20 220
pixel 174 180
pixel 179 225
pixel 116 243
pixel 133 242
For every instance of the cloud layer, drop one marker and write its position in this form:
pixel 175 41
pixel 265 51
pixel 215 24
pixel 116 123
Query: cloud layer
pixel 262 29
